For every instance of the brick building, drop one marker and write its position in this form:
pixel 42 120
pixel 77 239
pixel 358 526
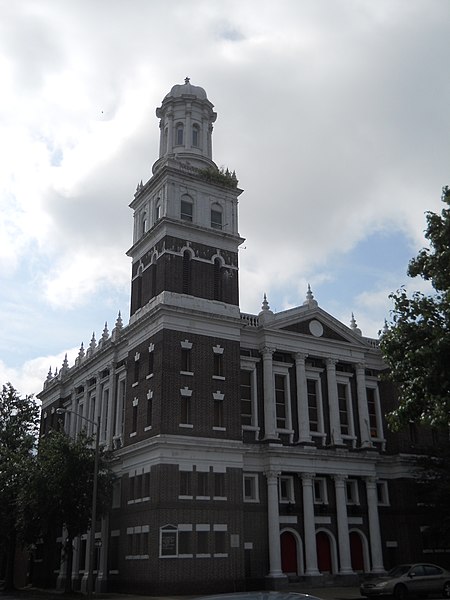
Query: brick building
pixel 248 449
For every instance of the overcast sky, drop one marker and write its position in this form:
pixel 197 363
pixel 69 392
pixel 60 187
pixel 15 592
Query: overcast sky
pixel 335 115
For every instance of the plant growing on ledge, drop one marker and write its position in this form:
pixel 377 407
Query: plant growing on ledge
pixel 221 176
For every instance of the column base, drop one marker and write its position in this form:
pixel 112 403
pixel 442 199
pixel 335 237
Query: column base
pixel 276 582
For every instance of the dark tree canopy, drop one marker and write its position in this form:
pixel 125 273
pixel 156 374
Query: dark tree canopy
pixel 416 344
pixel 18 435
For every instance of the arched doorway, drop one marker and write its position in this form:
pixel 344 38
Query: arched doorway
pixel 324 561
pixel 356 551
pixel 288 553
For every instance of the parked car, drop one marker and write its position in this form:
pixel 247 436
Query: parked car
pixel 409 580
pixel 260 596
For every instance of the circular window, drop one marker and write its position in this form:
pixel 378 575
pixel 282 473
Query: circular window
pixel 315 327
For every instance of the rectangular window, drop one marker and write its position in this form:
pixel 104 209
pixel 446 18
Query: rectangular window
pixel 219 485
pixel 313 405
pixel 150 362
pixel 168 541
pixel 185 542
pixel 280 401
pixel 218 414
pixel 186 416
pixel 372 407
pixel 343 408
pixel 320 491
pixel 202 484
pixel 251 489
pixel 286 489
pixel 186 360
pixel 136 371
pixel 146 485
pixel 186 210
pixel 216 219
pixel 218 365
pixel 220 538
pixel 351 491
pixel 246 398
pixel 134 418
pixel 149 411
pixel 202 542
pixel 383 493
pixel 186 483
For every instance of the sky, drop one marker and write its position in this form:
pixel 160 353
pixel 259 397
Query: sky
pixel 334 114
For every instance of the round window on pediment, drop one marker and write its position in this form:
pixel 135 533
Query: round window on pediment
pixel 316 328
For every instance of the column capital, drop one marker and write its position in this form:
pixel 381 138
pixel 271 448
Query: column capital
pixel 300 357
pixel 307 476
pixel 360 366
pixel 331 363
pixel 371 480
pixel 340 479
pixel 267 350
pixel 272 475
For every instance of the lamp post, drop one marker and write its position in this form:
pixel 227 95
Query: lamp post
pixel 90 580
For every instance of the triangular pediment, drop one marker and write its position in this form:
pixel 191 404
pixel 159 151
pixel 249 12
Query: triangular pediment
pixel 316 323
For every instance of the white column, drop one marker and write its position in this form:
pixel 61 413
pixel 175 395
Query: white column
pixel 304 434
pixel 270 432
pixel 188 132
pixel 273 523
pixel 62 575
pixel 374 525
pixel 309 524
pixel 363 410
pixel 335 425
pixel 342 523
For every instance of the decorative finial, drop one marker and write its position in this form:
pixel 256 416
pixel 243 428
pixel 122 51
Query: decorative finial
pixel 49 374
pixel 119 322
pixel 65 364
pixel 81 352
pixel 265 305
pixel 105 334
pixel 93 343
pixel 310 300
pixel 187 80
pixel 354 326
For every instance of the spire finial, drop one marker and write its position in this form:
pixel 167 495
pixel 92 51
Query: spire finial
pixel 187 80
pixel 49 374
pixel 310 300
pixel 265 305
pixel 119 322
pixel 354 326
pixel 105 334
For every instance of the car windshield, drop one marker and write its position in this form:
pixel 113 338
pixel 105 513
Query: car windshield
pixel 400 570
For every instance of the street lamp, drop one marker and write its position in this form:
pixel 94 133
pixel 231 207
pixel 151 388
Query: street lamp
pixel 90 580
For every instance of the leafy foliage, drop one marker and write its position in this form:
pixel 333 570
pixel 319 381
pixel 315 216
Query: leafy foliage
pixel 416 345
pixel 18 434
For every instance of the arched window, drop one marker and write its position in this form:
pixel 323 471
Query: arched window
pixel 217 279
pixel 186 272
pixel 195 136
pixel 216 216
pixel 144 223
pixel 186 208
pixel 179 136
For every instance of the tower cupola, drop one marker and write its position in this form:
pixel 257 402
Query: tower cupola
pixel 186 123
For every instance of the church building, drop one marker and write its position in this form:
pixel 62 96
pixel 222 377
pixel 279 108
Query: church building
pixel 251 450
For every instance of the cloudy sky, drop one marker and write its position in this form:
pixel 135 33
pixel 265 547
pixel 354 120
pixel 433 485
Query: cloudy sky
pixel 335 115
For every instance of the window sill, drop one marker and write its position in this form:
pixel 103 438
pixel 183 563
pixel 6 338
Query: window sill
pixel 135 384
pixel 190 373
pixel 149 376
pixel 147 428
pixel 220 377
pixel 133 434
pixel 219 428
pixel 203 497
pixel 186 425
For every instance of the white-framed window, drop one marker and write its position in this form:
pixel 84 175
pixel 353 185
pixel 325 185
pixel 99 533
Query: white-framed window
pixel 315 404
pixel 345 408
pixel 203 485
pixel 219 486
pixel 168 541
pixel 220 533
pixel 320 490
pixel 286 489
pixel 352 491
pixel 251 487
pixel 216 216
pixel 249 396
pixel 383 493
pixel 186 208
pixel 202 531
pixel 374 409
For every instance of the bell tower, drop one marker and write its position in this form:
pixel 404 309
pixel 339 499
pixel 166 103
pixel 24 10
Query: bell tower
pixel 185 239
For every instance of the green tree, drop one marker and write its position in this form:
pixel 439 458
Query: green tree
pixel 18 434
pixel 416 344
pixel 62 486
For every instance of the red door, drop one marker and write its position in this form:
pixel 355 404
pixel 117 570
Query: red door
pixel 323 552
pixel 356 551
pixel 288 553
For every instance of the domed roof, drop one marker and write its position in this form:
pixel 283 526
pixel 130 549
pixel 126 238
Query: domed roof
pixel 187 89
